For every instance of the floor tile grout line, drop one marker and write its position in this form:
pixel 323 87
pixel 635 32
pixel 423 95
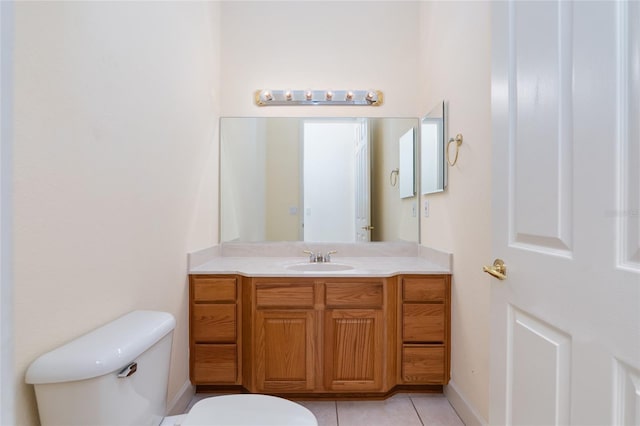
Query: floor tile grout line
pixel 198 397
pixel 414 407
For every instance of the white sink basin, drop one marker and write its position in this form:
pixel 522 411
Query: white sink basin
pixel 319 267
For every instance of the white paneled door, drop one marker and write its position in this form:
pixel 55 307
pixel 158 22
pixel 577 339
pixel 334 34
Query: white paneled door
pixel 565 322
pixel 7 397
pixel 362 181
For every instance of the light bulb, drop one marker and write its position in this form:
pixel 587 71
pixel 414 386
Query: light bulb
pixel 267 95
pixel 288 95
pixel 349 96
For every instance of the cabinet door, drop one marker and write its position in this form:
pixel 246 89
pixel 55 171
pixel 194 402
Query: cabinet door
pixel 215 364
pixel 213 322
pixel 425 330
pixel 285 350
pixel 353 350
pixel 423 364
pixel 208 289
pixel 214 330
pixel 423 322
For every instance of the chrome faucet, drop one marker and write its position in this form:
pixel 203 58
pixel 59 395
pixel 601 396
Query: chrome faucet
pixel 312 257
pixel 319 258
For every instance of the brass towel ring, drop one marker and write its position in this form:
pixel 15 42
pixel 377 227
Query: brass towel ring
pixel 458 142
pixel 393 177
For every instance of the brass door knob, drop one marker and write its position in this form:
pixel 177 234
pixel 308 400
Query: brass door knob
pixel 498 269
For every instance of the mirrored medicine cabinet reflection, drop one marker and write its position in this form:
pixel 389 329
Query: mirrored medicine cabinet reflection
pixel 433 170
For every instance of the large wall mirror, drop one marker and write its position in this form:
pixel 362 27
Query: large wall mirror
pixel 432 145
pixel 314 179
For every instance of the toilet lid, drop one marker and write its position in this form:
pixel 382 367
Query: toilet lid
pixel 248 410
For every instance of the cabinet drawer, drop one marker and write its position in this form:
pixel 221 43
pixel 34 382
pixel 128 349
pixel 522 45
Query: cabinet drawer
pixel 215 364
pixel 354 295
pixel 423 322
pixel 284 295
pixel 423 289
pixel 423 364
pixel 214 322
pixel 209 289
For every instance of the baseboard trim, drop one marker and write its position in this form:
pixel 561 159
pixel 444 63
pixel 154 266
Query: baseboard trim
pixel 466 411
pixel 181 400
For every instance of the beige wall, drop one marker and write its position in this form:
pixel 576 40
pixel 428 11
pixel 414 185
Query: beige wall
pixel 320 45
pixel 392 216
pixel 116 147
pixel 243 151
pixel 283 179
pixel 116 109
pixel 456 65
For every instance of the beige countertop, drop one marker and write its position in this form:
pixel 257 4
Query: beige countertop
pixel 270 260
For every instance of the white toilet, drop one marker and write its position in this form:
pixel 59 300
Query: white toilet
pixel 118 375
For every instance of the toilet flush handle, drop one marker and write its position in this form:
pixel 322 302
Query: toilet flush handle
pixel 128 370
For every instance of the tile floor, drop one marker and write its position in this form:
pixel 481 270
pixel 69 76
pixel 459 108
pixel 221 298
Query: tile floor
pixel 403 409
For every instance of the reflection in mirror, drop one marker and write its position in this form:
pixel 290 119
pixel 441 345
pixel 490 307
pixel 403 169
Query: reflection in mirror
pixel 407 160
pixel 335 186
pixel 313 179
pixel 432 135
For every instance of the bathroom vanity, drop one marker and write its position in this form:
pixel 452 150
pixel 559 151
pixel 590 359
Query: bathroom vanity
pixel 374 319
pixel 269 328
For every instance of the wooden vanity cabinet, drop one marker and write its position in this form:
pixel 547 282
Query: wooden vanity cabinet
pixel 354 334
pixel 425 329
pixel 284 335
pixel 214 324
pixel 313 335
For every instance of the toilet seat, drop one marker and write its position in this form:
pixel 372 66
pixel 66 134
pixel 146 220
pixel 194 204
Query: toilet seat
pixel 248 410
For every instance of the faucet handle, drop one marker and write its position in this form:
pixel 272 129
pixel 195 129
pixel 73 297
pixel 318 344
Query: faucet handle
pixel 312 256
pixel 327 257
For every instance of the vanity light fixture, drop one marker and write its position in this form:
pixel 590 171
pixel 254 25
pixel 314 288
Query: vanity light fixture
pixel 268 97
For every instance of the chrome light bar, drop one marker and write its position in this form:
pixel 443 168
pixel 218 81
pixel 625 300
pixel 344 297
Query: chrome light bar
pixel 268 97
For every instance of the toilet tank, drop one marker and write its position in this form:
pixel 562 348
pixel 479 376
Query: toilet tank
pixel 114 375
